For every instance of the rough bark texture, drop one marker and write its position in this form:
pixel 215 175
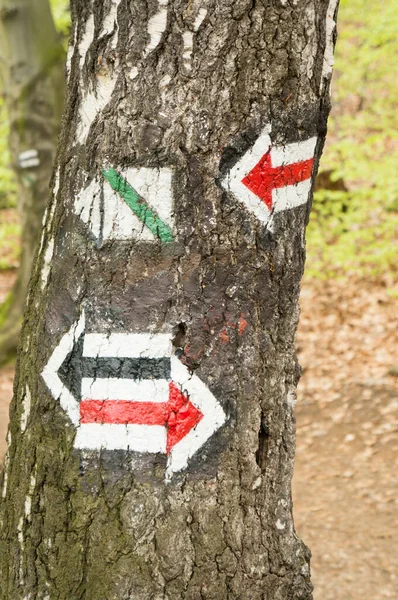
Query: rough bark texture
pixel 96 525
pixel 32 71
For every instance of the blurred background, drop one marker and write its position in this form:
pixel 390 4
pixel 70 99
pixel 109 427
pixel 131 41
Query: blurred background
pixel 345 483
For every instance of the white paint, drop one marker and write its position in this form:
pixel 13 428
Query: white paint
pixel 93 103
pixel 26 403
pixel 328 58
pixel 56 182
pixel 280 525
pixel 157 26
pixel 213 417
pixel 28 499
pixel 95 99
pixel 5 482
pixel 188 39
pixel 87 40
pixel 49 215
pixel 6 466
pixel 27 154
pixel 133 73
pixel 46 268
pixel 200 18
pixel 136 438
pixel 50 371
pixel 70 53
pixel 118 220
pixel 142 390
pixel 188 47
pixel 142 345
pixel 283 198
pixel 256 483
pixel 29 159
pixel 20 532
pixel 110 23
pixel 293 153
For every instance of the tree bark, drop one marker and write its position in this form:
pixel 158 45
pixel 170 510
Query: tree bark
pixel 32 71
pixel 151 237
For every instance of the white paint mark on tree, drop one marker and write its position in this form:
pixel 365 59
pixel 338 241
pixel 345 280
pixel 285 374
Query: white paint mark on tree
pixel 269 179
pixel 93 103
pixel 157 26
pixel 95 99
pixel 140 390
pixel 328 59
pixel 167 410
pixel 133 73
pixel 87 40
pixel 28 499
pixel 123 344
pixel 200 18
pixel 29 159
pixel 188 39
pixel 6 466
pixel 26 403
pixel 109 217
pixel 213 417
pixel 110 24
pixel 139 438
pixel 46 268
pixel 21 541
pixel 50 371
pixel 56 182
pixel 70 53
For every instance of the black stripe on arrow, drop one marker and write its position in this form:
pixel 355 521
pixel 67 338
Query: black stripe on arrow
pixel 76 366
pixel 126 368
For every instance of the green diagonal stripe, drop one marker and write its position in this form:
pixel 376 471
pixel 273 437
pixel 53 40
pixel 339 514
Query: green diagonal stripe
pixel 139 206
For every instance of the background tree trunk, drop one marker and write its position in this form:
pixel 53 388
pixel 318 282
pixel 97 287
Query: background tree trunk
pixel 184 90
pixel 32 71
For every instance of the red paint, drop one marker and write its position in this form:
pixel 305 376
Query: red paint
pixel 178 414
pixel 224 337
pixel 182 417
pixel 264 177
pixel 242 324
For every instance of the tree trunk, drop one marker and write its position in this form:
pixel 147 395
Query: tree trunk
pixel 32 70
pixel 152 429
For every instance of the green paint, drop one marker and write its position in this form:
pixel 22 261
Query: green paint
pixel 139 206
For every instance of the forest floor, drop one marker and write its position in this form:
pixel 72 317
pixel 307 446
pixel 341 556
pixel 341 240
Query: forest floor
pixel 346 476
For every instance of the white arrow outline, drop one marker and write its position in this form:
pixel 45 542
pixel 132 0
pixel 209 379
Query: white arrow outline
pixel 141 438
pixel 213 417
pixel 283 198
pixel 50 372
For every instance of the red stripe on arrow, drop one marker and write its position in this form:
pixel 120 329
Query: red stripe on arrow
pixel 264 178
pixel 121 412
pixel 179 415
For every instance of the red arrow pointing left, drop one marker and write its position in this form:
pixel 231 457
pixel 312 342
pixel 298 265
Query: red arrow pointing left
pixel 264 178
pixel 178 414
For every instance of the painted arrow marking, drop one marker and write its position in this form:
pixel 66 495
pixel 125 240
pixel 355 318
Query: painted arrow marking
pixel 133 203
pixel 270 179
pixel 128 391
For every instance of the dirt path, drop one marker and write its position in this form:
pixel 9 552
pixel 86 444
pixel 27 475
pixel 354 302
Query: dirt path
pixel 345 484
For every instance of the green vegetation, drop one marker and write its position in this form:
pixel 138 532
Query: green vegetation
pixel 355 231
pixel 7 180
pixel 10 231
pixel 61 13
